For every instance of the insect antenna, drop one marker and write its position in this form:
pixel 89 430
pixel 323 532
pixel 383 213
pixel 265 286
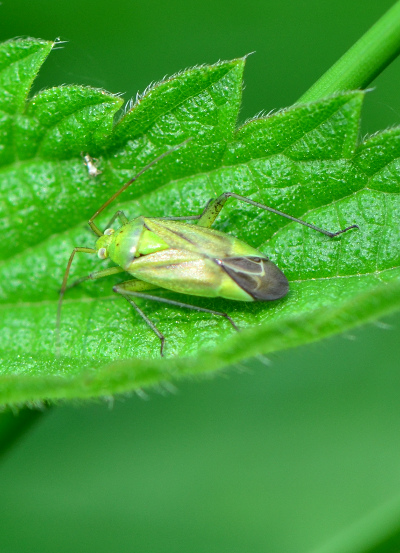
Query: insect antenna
pixel 127 184
pixel 99 233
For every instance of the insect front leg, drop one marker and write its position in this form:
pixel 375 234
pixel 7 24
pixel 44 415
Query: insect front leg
pixel 136 287
pixel 118 215
pixel 214 207
pixel 64 287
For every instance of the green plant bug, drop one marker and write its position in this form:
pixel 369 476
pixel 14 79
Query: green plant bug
pixel 193 259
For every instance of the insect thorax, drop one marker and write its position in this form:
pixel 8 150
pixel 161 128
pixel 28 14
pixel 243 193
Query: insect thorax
pixel 129 242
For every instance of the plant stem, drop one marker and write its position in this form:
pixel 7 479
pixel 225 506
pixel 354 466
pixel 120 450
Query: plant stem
pixel 13 426
pixel 359 66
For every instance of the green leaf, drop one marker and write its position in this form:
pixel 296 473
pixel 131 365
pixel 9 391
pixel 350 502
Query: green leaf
pixel 304 160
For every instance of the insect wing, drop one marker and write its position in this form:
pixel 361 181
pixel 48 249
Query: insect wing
pixel 180 271
pixel 259 277
pixel 199 240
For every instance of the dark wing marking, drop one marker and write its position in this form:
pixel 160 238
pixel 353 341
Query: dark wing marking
pixel 259 277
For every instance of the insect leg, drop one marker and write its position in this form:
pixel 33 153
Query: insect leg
pixel 214 207
pixel 136 287
pixel 212 210
pixel 126 289
pixel 121 216
pixel 96 275
pixel 64 287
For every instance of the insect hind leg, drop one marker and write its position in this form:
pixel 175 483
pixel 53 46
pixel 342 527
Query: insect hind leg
pixel 214 207
pixel 137 287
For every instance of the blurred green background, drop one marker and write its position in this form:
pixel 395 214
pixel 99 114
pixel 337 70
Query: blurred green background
pixel 276 455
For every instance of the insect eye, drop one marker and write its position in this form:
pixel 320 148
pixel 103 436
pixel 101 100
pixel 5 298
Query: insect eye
pixel 109 231
pixel 102 253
